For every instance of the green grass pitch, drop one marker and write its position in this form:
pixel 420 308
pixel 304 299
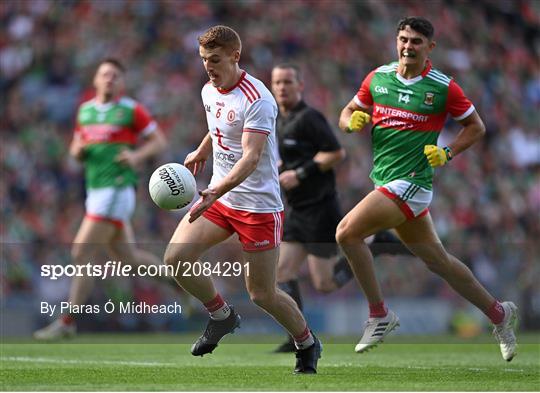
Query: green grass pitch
pixel 158 362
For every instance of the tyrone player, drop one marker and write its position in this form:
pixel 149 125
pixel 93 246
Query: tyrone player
pixel 105 141
pixel 243 197
pixel 410 101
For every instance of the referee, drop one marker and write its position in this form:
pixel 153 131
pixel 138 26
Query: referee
pixel 309 151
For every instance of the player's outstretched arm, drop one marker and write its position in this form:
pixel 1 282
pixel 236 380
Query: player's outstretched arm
pixel 153 144
pixel 76 148
pixel 353 118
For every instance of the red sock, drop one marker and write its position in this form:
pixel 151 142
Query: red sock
pixel 377 310
pixel 218 309
pixel 67 319
pixel 304 340
pixel 214 304
pixel 495 312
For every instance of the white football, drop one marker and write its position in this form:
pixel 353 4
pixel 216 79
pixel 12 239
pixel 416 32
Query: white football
pixel 172 186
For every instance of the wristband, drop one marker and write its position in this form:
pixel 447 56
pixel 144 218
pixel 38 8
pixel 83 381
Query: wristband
pixel 306 170
pixel 448 152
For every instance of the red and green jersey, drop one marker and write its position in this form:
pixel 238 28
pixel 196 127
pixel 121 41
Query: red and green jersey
pixel 107 129
pixel 407 115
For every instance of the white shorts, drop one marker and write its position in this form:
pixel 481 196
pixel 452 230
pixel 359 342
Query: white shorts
pixel 412 199
pixel 112 204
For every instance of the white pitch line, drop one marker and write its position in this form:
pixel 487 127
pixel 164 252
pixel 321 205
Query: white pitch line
pixel 73 361
pixel 515 370
pixel 152 364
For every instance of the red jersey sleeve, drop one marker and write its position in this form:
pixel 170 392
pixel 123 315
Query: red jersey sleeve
pixel 364 97
pixel 457 104
pixel 143 121
pixel 77 131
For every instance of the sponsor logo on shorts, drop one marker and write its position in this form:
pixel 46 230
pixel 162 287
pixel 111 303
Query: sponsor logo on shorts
pixel 262 243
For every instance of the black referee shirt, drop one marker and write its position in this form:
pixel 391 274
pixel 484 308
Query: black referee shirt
pixel 301 135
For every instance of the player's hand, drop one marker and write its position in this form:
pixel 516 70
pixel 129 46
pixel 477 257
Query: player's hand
pixel 195 162
pixel 209 196
pixel 76 149
pixel 357 121
pixel 437 156
pixel 127 157
pixel 288 179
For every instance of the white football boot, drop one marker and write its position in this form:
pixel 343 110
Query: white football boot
pixel 55 331
pixel 504 331
pixel 376 330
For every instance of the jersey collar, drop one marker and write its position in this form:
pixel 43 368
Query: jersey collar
pixel 108 105
pixel 225 91
pixel 295 109
pixel 417 78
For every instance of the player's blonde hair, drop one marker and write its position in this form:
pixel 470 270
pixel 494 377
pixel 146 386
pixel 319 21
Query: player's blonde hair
pixel 220 37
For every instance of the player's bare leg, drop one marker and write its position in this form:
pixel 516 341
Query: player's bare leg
pixel 420 237
pixel 263 291
pixel 321 271
pixel 91 239
pixel 188 243
pixel 291 257
pixel 374 213
pixel 123 248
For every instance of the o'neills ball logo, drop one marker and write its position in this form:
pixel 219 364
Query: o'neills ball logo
pixel 176 187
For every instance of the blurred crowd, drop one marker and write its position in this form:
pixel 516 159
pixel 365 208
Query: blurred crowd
pixel 486 203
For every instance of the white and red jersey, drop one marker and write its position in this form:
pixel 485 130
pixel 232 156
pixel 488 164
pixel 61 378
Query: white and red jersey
pixel 248 106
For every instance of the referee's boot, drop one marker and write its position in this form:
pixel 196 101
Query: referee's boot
pixel 306 359
pixel 286 347
pixel 215 330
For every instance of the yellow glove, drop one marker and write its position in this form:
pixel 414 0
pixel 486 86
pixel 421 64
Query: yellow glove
pixel 358 120
pixel 437 156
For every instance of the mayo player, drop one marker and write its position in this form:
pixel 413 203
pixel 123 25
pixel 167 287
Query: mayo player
pixel 109 127
pixel 409 101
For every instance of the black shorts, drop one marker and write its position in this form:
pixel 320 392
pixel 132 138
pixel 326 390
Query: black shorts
pixel 315 227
